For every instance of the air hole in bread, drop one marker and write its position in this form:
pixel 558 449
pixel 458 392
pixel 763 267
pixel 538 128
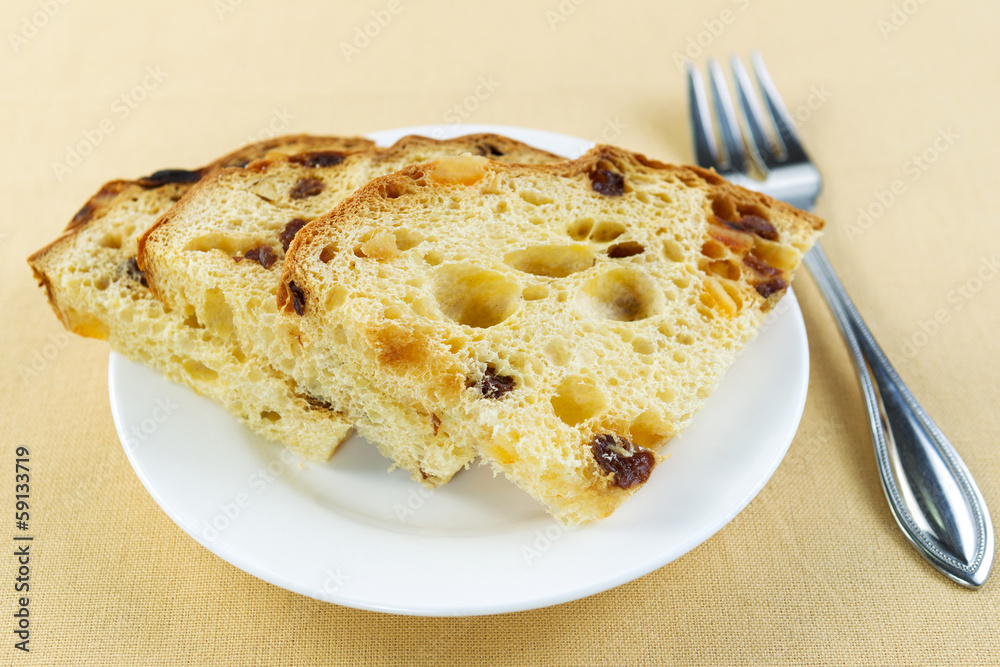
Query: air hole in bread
pixel 625 249
pixel 682 282
pixel 217 313
pixel 667 394
pixel 558 351
pixel 335 298
pixel 650 430
pixel 407 239
pixel 577 399
pixel 474 296
pixel 580 229
pixel 535 198
pixel 724 208
pixel 534 292
pixel 551 261
pixel 643 345
pixel 199 371
pixel 673 251
pixel 714 250
pixel 102 283
pixel 328 253
pixel 625 295
pixel 268 415
pixel 393 189
pixel 606 230
pixel 685 338
pixel 112 241
pixel 433 257
pixel 191 321
pixel 680 357
pixel 723 268
pixel 734 293
pixel 392 312
pixel 219 241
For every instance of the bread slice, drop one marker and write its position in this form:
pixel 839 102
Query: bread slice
pixel 94 285
pixel 566 321
pixel 218 254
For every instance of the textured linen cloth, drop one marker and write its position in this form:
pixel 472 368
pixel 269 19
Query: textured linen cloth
pixel 896 101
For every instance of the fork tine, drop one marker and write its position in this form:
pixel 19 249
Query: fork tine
pixel 761 146
pixel 779 114
pixel 729 126
pixel 706 151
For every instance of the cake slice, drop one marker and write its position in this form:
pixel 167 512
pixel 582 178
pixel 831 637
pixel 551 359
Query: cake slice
pixel 565 321
pixel 94 285
pixel 218 254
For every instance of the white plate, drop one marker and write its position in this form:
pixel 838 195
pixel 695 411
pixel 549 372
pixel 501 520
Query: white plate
pixel 349 533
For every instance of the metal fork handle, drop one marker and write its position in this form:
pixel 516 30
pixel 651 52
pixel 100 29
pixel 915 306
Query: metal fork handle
pixel 932 495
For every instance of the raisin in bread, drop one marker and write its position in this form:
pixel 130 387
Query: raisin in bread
pixel 218 254
pixel 94 285
pixel 565 320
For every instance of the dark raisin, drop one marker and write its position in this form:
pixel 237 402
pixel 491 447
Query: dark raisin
pixel 607 182
pixel 133 271
pixel 630 464
pixel 435 423
pixel 263 255
pixel 770 287
pixel 306 187
pixel 165 176
pixel 494 385
pixel 754 224
pixel 316 403
pixel 760 266
pixel 318 159
pixel 288 233
pixel 489 149
pixel 625 249
pixel 298 298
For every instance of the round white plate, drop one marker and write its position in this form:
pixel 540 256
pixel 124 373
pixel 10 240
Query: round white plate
pixel 350 533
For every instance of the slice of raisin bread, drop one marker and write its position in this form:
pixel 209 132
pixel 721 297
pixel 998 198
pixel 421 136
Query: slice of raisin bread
pixel 96 288
pixel 565 321
pixel 218 254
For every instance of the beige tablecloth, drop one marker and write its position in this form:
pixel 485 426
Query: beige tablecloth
pixel 897 101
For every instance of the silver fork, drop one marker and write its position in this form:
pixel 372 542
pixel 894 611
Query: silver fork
pixel 933 497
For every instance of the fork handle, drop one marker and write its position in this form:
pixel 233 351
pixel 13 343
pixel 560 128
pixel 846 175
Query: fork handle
pixel 933 497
